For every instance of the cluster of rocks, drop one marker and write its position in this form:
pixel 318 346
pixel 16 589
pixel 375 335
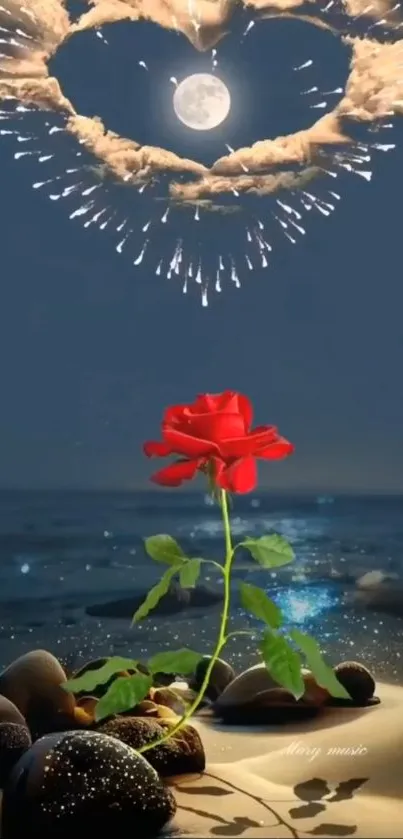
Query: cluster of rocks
pixel 58 766
pixel 253 697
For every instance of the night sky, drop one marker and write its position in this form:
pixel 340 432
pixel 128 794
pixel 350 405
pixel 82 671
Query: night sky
pixel 92 349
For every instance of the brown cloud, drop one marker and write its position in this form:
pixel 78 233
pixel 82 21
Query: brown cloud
pixel 36 28
pixel 44 93
pixel 259 185
pixel 125 158
pixel 203 22
pixel 374 89
pixel 375 85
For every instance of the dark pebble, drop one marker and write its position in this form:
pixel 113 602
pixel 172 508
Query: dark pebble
pixel 358 682
pixel 269 707
pixel 221 676
pixel 166 696
pixel 33 682
pixel 183 753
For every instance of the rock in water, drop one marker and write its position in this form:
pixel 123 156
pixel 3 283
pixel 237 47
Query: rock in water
pixel 33 683
pixel 386 598
pixel 69 783
pixel 15 740
pixel 182 754
pixel 174 601
pixel 221 676
pixel 374 579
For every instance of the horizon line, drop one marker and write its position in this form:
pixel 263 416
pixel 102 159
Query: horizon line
pixel 318 492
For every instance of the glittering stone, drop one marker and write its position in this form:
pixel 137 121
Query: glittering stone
pixel 358 682
pixel 15 739
pixel 71 782
pixel 183 753
pixel 221 676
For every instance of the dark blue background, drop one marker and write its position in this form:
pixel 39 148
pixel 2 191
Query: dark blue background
pixel 92 349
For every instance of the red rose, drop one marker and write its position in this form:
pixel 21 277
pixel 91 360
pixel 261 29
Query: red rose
pixel 214 433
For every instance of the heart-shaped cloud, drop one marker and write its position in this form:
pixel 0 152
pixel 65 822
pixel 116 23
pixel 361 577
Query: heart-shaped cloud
pixel 270 169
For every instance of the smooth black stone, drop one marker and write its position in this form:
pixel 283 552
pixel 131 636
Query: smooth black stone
pixel 69 783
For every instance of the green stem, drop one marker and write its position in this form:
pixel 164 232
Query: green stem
pixel 222 635
pixel 213 564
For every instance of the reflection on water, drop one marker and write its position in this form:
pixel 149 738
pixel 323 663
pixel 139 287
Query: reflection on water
pixel 62 552
pixel 293 529
pixel 303 606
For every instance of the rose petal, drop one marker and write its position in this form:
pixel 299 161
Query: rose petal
pixel 249 444
pixel 233 402
pixel 205 403
pixel 156 448
pixel 245 408
pixel 276 451
pixel 181 443
pixel 174 474
pixel 228 402
pixel 217 466
pixel 174 414
pixel 240 476
pixel 215 427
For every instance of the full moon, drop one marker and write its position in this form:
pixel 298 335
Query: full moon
pixel 202 101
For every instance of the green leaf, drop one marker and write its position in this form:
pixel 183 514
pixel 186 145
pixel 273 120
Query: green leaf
pixel 178 661
pixel 269 551
pixel 123 695
pixel 155 594
pixel 323 673
pixel 189 573
pixel 283 663
pixel 163 548
pixel 92 678
pixel 255 601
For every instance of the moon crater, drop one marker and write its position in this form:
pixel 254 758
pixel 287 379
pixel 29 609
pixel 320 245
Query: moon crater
pixel 202 101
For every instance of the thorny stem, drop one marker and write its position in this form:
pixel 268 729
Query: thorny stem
pixel 222 634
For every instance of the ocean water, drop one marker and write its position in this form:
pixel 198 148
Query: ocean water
pixel 61 552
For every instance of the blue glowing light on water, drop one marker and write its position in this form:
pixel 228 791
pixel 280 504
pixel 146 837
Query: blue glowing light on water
pixel 304 605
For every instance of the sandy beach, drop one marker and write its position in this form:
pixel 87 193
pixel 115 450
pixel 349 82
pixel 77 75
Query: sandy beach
pixel 338 775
